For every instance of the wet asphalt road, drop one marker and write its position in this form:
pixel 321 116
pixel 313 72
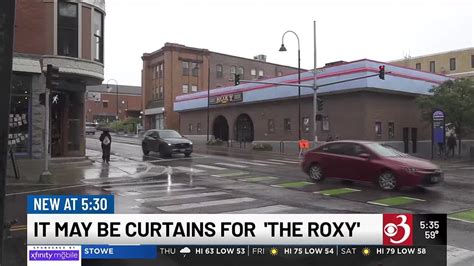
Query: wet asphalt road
pixel 233 182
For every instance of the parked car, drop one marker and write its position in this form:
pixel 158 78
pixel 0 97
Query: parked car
pixel 91 128
pixel 166 142
pixel 371 162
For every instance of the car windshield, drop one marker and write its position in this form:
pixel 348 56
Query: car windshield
pixel 168 134
pixel 385 151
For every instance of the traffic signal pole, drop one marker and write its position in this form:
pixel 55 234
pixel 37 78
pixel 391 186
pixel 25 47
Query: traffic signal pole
pixel 7 18
pixel 52 82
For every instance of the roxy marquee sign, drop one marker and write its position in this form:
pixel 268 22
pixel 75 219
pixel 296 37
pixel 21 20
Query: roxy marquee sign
pixel 226 98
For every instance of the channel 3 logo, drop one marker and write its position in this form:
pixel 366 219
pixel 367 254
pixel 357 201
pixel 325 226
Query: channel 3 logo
pixel 398 229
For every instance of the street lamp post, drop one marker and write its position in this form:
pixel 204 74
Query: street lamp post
pixel 315 89
pixel 117 97
pixel 283 49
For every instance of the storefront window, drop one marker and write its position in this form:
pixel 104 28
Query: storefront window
pixel 19 130
pixel 159 121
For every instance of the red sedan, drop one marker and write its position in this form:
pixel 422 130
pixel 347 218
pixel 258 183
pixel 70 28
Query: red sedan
pixel 370 162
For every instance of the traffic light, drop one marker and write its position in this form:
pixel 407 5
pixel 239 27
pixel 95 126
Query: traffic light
pixel 236 79
pixel 382 72
pixel 320 104
pixel 52 77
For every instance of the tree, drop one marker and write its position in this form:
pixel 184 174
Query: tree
pixel 456 99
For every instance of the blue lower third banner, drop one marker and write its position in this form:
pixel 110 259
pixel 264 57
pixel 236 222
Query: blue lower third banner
pixel 118 252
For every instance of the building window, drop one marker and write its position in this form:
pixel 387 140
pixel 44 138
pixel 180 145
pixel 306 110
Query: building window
pixel 194 69
pixel 232 72
pixel 472 61
pixel 219 71
pixel 105 104
pixel 240 71
pixel 279 74
pixel 452 64
pixel 271 126
pixel 67 29
pixel 160 94
pixel 185 88
pixel 432 66
pixel 194 88
pixel 198 127
pixel 99 36
pixel 325 123
pixel 185 66
pixel 378 129
pixel 391 130
pixel 190 127
pixel 260 73
pixel 287 124
pixel 253 72
pixel 418 66
pixel 160 70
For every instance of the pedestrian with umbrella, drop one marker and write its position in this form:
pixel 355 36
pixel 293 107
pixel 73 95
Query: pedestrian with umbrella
pixel 106 143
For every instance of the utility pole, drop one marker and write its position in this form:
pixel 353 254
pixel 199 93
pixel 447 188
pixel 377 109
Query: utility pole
pixel 7 19
pixel 315 90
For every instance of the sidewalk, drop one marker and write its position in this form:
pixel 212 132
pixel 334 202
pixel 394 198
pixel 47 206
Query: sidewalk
pixel 78 170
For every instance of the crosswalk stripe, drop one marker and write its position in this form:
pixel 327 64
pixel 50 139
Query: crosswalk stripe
pixel 209 167
pixel 130 183
pixel 230 174
pixel 266 209
pixel 130 188
pixel 283 161
pixel 185 196
pixel 180 207
pixel 188 169
pixel 136 193
pixel 232 165
pixel 252 163
pixel 267 162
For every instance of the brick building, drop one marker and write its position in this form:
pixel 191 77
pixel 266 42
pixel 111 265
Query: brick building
pixel 364 109
pixel 102 102
pixel 68 35
pixel 455 63
pixel 176 69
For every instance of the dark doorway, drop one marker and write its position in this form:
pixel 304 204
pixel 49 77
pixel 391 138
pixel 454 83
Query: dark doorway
pixel 405 139
pixel 414 138
pixel 220 128
pixel 244 128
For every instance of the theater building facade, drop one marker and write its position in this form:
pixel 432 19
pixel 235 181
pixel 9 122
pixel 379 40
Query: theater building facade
pixel 364 109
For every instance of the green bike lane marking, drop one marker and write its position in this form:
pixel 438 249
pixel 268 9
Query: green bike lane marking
pixel 297 184
pixel 464 216
pixel 394 201
pixel 258 178
pixel 336 191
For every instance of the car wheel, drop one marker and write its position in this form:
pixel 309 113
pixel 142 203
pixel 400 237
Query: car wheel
pixel 387 181
pixel 187 154
pixel 145 150
pixel 315 173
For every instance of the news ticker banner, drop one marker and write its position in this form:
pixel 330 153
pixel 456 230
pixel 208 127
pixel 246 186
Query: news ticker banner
pixel 88 222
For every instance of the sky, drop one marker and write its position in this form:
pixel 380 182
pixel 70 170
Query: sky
pixel 345 29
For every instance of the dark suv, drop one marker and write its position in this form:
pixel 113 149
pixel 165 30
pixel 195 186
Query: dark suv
pixel 166 142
